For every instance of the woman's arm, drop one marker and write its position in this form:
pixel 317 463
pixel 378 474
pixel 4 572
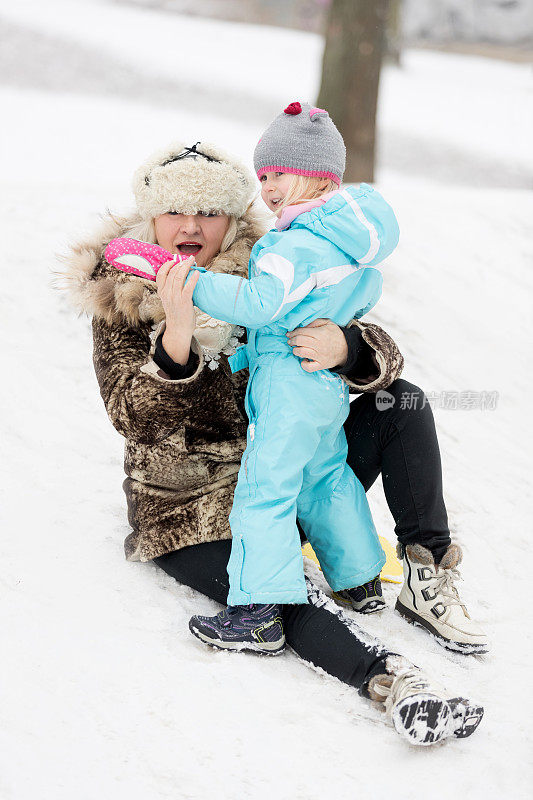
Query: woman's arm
pixel 363 353
pixel 360 362
pixel 143 404
pixel 174 369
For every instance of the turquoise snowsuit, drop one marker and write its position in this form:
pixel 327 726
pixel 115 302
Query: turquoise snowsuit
pixel 294 464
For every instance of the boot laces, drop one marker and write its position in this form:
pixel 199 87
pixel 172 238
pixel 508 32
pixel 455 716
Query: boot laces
pixel 444 585
pixel 406 683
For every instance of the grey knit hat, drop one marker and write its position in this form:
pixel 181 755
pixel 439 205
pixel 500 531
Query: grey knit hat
pixel 303 140
pixel 189 180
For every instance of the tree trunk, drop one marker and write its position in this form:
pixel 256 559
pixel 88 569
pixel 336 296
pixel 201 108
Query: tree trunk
pixel 393 34
pixel 355 42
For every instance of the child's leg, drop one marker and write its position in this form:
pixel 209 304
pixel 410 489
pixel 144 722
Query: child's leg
pixel 265 564
pixel 334 513
pixel 291 412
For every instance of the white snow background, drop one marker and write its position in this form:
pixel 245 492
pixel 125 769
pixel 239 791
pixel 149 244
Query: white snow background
pixel 105 692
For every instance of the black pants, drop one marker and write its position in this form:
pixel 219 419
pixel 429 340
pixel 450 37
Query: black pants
pixel 399 442
pixel 317 635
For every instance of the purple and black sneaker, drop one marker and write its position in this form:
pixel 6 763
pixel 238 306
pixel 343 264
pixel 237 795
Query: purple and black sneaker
pixel 365 599
pixel 254 627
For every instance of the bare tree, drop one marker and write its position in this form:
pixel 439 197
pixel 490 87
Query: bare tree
pixel 393 34
pixel 355 43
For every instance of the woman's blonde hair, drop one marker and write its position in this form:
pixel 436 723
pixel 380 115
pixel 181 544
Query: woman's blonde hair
pixel 304 188
pixel 144 231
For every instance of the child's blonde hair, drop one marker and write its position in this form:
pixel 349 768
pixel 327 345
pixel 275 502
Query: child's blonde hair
pixel 304 188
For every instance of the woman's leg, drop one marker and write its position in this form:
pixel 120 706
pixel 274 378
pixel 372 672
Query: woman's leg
pixel 324 637
pixel 401 443
pixel 317 634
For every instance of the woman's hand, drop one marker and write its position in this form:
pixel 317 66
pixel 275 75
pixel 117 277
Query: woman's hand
pixel 176 298
pixel 321 342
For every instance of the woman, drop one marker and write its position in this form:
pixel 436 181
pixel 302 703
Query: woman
pixel 171 394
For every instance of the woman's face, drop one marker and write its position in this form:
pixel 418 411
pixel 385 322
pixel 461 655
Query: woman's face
pixel 198 235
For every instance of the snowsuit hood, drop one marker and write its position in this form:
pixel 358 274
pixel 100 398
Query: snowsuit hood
pixel 333 215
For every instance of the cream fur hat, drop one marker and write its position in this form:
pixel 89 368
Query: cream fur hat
pixel 188 180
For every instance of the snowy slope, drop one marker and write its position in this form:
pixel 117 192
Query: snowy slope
pixel 105 691
pixel 477 110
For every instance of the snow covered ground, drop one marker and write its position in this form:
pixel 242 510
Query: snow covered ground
pixel 105 693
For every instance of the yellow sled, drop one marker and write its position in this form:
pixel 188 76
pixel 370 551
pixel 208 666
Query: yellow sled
pixel 391 572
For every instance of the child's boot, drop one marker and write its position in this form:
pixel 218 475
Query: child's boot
pixel 430 598
pixel 253 627
pixel 419 708
pixel 365 599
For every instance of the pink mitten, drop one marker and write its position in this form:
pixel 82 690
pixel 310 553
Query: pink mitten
pixel 139 258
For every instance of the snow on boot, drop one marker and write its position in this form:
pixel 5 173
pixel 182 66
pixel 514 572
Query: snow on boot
pixel 365 599
pixel 418 708
pixel 253 627
pixel 466 716
pixel 429 598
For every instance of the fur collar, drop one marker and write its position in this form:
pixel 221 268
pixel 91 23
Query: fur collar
pixel 100 290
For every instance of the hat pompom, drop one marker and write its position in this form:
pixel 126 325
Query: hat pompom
pixel 293 108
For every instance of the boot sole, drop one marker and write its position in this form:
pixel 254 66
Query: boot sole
pixel 265 648
pixel 370 608
pixel 457 647
pixel 465 717
pixel 422 719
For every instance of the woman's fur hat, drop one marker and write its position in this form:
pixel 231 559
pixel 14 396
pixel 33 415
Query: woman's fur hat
pixel 189 180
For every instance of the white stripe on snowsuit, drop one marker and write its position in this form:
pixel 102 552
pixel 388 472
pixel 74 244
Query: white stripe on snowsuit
pixel 283 269
pixel 374 238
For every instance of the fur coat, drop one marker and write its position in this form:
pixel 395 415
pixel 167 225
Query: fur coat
pixel 183 438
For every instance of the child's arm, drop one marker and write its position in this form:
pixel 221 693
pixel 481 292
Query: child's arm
pixel 264 298
pixel 282 282
pixel 291 269
pixel 368 291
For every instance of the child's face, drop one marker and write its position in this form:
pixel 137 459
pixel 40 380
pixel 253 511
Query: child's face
pixel 274 187
pixel 197 235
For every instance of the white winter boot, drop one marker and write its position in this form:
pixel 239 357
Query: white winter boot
pixel 418 707
pixel 429 598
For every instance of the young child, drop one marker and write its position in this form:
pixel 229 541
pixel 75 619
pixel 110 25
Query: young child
pixel 319 261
